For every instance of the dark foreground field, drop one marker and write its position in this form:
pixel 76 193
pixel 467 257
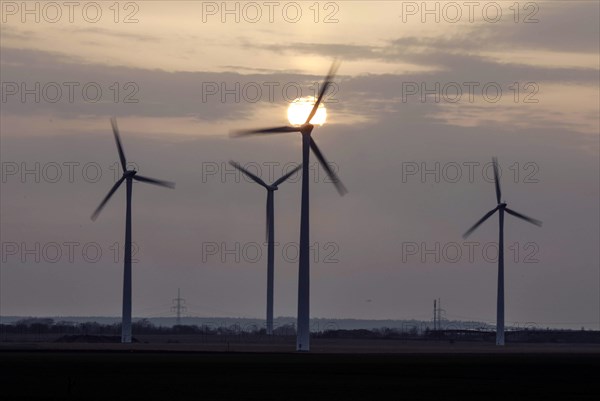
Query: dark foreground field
pixel 443 371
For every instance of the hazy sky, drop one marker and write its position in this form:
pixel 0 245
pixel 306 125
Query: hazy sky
pixel 422 101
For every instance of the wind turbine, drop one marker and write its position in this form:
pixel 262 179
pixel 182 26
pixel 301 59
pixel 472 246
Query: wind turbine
pixel 128 176
pixel 308 143
pixel 501 208
pixel 270 234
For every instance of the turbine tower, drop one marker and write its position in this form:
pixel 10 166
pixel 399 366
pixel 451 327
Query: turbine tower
pixel 128 176
pixel 270 234
pixel 308 143
pixel 500 208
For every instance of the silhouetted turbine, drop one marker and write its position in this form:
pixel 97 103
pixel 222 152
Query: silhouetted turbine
pixel 303 325
pixel 270 232
pixel 501 208
pixel 129 176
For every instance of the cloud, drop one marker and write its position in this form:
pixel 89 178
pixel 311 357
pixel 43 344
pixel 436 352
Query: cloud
pixel 98 31
pixel 212 97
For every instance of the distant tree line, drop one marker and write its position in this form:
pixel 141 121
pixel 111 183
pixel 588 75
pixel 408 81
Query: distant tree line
pixel 143 326
pixel 47 326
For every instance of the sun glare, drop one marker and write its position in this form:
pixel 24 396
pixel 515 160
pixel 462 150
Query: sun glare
pixel 300 108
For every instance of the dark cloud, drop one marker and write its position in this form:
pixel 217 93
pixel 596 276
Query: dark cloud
pixel 569 29
pixel 188 94
pixel 562 27
pixel 98 31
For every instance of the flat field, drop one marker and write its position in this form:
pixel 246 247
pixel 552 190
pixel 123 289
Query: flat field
pixel 334 370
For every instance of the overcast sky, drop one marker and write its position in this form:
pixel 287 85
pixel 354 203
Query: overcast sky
pixel 413 152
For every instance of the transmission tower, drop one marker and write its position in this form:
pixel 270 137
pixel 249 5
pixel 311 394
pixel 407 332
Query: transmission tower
pixel 437 314
pixel 434 314
pixel 178 307
pixel 440 311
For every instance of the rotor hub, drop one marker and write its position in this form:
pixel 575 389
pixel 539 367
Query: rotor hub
pixel 306 129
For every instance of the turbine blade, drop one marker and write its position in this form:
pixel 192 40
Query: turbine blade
pixel 288 175
pixel 497 179
pixel 256 179
pixel 106 198
pixel 484 218
pixel 275 130
pixel 113 122
pixel 334 178
pixel 332 70
pixel 154 181
pixel 522 216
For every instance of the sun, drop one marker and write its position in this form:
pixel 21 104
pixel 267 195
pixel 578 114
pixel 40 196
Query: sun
pixel 300 108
